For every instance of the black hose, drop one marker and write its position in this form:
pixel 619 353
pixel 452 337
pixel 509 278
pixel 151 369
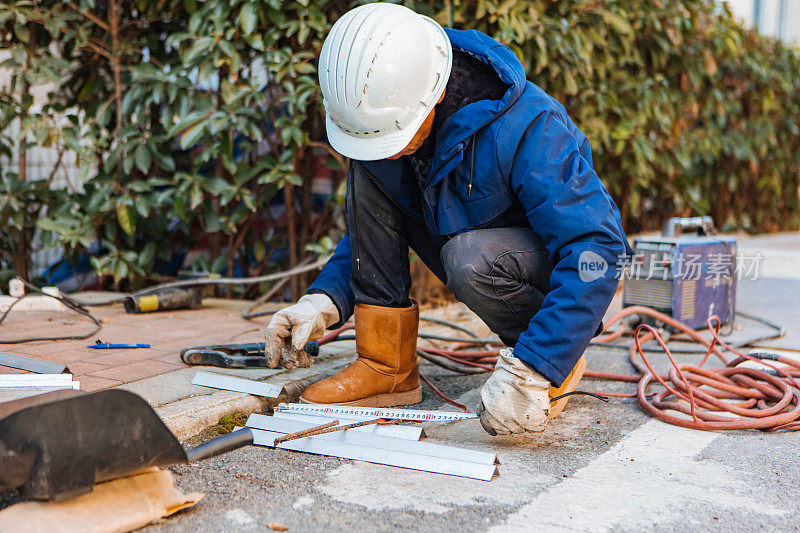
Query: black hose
pixel 423 335
pixel 237 281
pixel 250 316
pixel 450 325
pixel 214 281
pixel 780 331
pixel 450 365
pixel 69 303
pixel 582 393
pixel 445 338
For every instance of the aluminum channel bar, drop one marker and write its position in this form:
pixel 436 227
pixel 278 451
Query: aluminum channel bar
pixel 400 432
pixel 30 364
pixel 374 412
pixel 346 450
pixel 379 442
pixel 247 386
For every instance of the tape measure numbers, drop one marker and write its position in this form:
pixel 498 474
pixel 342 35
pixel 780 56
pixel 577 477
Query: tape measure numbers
pixel 375 412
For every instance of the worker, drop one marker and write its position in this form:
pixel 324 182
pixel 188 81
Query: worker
pixel 454 154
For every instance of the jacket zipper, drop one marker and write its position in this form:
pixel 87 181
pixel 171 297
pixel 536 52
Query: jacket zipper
pixel 354 241
pixel 471 167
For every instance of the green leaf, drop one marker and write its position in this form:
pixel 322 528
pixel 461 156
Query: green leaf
pixel 142 206
pixel 216 186
pixel 219 263
pixel 620 24
pixel 127 163
pixel 142 158
pixel 192 135
pixel 126 218
pixel 164 161
pixel 200 47
pixel 196 197
pixel 148 254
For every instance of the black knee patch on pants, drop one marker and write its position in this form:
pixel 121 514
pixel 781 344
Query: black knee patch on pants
pixel 501 274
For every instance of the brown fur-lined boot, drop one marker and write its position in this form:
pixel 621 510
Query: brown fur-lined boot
pixel 385 372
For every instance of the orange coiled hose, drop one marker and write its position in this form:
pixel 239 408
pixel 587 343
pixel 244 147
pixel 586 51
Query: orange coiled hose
pixel 727 398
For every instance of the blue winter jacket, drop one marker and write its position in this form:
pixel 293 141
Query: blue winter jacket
pixel 530 164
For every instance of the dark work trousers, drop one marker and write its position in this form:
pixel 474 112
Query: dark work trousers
pixel 501 274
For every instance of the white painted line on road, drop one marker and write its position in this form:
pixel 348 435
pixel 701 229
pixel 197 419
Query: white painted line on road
pixel 247 386
pixel 645 479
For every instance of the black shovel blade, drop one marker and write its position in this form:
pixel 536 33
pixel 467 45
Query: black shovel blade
pixel 60 449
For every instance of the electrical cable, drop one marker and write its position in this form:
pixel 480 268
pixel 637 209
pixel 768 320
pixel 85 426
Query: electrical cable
pixel 79 307
pixel 69 303
pixel 600 397
pixel 443 395
pixel 780 331
pixel 711 394
pixel 236 281
pixel 279 276
pixel 727 398
pixel 248 313
pixel 448 324
pixel 444 363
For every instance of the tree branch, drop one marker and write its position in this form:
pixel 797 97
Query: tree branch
pixel 336 155
pixel 89 15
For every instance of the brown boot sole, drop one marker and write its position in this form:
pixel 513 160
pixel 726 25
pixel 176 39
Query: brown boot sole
pixel 568 386
pixel 384 400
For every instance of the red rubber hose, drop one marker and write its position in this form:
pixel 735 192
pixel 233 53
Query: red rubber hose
pixel 727 398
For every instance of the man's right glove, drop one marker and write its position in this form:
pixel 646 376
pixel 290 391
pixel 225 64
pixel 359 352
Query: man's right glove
pixel 515 399
pixel 292 327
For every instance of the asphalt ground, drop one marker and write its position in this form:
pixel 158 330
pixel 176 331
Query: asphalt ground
pixel 598 467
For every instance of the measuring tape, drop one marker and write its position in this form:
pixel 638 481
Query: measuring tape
pixel 389 414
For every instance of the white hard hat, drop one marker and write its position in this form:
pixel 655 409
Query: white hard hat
pixel 381 70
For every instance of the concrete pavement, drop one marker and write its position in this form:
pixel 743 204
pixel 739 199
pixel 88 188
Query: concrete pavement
pixel 599 467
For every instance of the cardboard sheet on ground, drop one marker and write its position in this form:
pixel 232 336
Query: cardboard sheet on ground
pixel 115 506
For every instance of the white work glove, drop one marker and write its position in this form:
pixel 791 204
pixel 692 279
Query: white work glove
pixel 515 399
pixel 292 327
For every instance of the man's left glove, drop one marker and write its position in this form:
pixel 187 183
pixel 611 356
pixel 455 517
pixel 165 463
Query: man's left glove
pixel 515 399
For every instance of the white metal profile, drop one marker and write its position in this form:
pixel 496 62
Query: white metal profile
pixel 373 448
pixel 247 386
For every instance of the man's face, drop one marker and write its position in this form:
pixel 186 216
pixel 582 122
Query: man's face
pixel 422 134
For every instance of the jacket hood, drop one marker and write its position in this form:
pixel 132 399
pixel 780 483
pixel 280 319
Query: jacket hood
pixel 467 120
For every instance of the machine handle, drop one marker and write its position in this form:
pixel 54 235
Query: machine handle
pixel 219 445
pixel 677 225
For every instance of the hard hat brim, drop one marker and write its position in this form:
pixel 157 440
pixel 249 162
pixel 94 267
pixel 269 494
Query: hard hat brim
pixel 369 147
